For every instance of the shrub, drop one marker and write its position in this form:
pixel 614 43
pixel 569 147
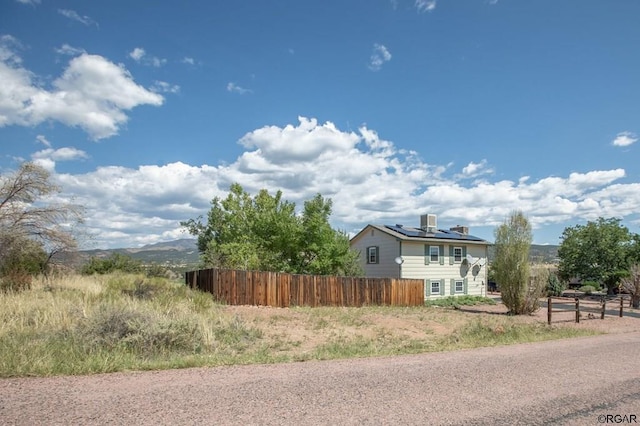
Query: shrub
pixel 587 289
pixel 143 332
pixel 555 287
pixel 455 301
pixel 113 263
pixel 595 284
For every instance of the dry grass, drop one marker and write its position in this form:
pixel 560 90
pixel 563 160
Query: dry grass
pixel 81 325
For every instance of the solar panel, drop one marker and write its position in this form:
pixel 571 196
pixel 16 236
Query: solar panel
pixel 441 234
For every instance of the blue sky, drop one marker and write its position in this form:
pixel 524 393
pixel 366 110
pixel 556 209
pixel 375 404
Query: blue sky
pixel 468 109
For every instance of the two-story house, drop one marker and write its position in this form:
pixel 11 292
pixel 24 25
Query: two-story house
pixel 452 262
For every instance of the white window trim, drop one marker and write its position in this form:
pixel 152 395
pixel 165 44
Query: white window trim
pixel 431 283
pixel 373 249
pixel 455 260
pixel 455 285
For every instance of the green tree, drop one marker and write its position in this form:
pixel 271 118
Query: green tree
pixel 599 251
pixel 511 268
pixel 265 233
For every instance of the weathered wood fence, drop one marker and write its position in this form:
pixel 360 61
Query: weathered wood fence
pixel 277 289
pixel 577 306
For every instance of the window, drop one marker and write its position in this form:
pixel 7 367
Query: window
pixel 372 255
pixel 434 253
pixel 457 254
pixel 459 286
pixel 435 287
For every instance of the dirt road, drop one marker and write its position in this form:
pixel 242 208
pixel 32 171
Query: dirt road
pixel 575 381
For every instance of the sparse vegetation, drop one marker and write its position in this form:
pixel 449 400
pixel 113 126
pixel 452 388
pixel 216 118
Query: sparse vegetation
pixel 115 322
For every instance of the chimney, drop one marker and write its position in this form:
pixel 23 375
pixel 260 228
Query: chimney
pixel 429 223
pixel 464 230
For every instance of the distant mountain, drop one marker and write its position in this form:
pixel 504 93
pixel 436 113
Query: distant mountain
pixel 537 253
pixel 181 253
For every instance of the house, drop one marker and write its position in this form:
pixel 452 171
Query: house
pixel 450 262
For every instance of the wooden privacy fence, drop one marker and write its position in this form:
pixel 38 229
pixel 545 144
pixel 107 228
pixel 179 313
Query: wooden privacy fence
pixel 236 287
pixel 577 306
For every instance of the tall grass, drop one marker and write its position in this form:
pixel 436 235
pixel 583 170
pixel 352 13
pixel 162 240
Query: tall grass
pixel 79 325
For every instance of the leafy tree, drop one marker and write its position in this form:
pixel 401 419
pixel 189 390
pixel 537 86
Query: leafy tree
pixel 599 251
pixel 511 269
pixel 30 224
pixel 265 233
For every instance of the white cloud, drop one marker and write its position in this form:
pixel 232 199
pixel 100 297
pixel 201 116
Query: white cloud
pixel 140 55
pixel 234 88
pixel 43 140
pixel 68 50
pixel 379 56
pixel 188 60
pixel 625 139
pixel 368 178
pixel 476 169
pixel 425 5
pixel 31 2
pixel 137 53
pixel 164 87
pixel 92 93
pixel 73 15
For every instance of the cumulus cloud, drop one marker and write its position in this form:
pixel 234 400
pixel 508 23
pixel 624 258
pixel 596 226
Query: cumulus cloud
pixel 368 178
pixel 379 56
pixel 188 60
pixel 92 93
pixel 74 16
pixel 142 57
pixel 234 88
pixel 625 139
pixel 425 5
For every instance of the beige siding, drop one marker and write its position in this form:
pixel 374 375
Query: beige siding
pixel 414 267
pixel 389 249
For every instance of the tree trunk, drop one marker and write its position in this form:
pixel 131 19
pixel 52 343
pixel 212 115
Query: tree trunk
pixel 635 300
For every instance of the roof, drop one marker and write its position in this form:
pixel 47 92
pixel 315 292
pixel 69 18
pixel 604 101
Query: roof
pixel 407 233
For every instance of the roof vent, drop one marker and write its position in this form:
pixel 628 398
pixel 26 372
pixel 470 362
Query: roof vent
pixel 429 223
pixel 464 230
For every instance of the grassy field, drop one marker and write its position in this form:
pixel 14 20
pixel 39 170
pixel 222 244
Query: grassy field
pixel 99 324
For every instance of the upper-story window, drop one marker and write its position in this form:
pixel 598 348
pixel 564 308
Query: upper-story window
pixel 457 254
pixel 434 254
pixel 372 254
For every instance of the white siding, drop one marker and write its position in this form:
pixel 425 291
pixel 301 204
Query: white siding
pixel 388 250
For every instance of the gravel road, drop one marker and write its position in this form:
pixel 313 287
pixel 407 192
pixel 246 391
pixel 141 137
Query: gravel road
pixel 576 381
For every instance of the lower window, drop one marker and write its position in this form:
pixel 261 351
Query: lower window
pixel 435 287
pixel 459 286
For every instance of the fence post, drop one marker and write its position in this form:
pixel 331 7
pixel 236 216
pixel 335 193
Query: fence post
pixel 621 306
pixel 604 307
pixel 549 305
pixel 577 310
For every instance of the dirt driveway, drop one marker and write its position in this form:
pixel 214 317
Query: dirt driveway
pixel 563 382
